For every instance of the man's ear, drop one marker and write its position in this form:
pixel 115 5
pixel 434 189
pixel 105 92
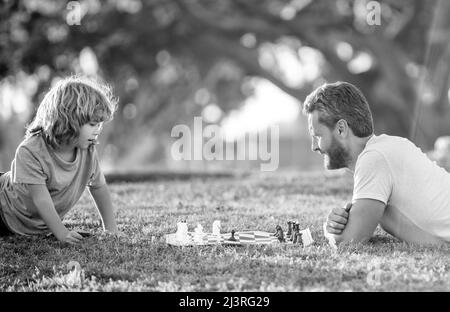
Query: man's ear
pixel 342 127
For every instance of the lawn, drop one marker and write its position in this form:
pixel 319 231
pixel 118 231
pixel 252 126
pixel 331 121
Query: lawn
pixel 141 261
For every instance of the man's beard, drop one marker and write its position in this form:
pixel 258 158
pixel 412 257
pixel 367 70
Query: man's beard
pixel 336 157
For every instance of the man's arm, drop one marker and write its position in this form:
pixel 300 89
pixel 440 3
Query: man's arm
pixel 105 207
pixel 44 204
pixel 364 216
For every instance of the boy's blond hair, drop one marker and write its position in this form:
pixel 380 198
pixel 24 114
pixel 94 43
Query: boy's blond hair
pixel 71 103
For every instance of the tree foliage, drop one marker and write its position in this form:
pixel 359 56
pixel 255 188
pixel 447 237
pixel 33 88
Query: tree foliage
pixel 158 54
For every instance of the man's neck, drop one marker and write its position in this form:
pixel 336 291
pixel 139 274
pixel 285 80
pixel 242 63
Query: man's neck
pixel 357 146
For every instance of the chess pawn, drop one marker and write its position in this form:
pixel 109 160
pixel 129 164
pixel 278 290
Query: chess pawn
pixel 199 229
pixel 198 233
pixel 232 238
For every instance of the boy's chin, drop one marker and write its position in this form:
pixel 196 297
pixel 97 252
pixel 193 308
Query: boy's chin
pixel 85 146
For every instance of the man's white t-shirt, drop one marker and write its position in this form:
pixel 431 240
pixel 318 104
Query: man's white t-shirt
pixel 416 191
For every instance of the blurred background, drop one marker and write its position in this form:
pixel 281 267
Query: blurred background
pixel 243 65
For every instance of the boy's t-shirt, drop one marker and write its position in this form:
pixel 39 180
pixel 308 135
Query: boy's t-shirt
pixel 36 163
pixel 415 190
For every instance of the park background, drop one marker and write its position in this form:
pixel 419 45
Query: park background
pixel 241 65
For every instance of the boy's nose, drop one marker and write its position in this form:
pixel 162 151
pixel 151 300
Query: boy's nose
pixel 98 130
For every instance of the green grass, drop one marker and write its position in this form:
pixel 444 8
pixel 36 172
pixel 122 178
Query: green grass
pixel 137 262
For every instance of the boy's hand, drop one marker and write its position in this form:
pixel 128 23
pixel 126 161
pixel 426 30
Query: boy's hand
pixel 337 219
pixel 72 237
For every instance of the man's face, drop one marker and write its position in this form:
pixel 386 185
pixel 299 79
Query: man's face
pixel 325 142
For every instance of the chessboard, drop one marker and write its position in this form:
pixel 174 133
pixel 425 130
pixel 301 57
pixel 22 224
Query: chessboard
pixel 241 238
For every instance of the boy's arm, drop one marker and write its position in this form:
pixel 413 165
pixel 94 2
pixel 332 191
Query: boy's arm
pixel 44 204
pixel 104 205
pixel 364 216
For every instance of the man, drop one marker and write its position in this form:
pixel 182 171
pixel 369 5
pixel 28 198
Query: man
pixel 395 184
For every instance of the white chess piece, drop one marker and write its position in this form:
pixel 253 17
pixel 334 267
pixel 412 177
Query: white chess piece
pixel 198 233
pixel 329 236
pixel 199 229
pixel 307 237
pixel 182 231
pixel 216 227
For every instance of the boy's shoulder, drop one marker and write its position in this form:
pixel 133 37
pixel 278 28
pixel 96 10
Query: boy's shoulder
pixel 34 143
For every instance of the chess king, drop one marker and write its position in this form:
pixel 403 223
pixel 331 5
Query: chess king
pixel 396 185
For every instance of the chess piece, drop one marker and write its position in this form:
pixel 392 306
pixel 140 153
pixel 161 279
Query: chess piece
pixel 307 237
pixel 216 227
pixel 279 234
pixel 296 233
pixel 199 229
pixel 289 232
pixel 182 231
pixel 300 238
pixel 232 238
pixel 198 233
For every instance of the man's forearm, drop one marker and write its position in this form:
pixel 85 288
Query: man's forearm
pixel 363 218
pixel 349 237
pixel 105 207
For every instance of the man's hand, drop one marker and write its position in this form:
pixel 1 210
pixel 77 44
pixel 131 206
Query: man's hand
pixel 357 226
pixel 337 219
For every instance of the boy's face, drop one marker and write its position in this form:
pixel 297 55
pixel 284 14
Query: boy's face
pixel 89 133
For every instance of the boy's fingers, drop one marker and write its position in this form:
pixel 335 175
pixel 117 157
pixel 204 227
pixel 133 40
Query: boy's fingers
pixel 77 236
pixel 74 237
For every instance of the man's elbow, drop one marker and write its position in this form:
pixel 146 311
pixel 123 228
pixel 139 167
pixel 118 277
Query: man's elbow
pixel 349 238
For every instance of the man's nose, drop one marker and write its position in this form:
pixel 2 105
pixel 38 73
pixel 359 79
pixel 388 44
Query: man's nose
pixel 315 146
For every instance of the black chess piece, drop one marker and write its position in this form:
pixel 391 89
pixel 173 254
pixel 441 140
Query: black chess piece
pixel 294 238
pixel 296 231
pixel 279 234
pixel 300 238
pixel 232 238
pixel 289 232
